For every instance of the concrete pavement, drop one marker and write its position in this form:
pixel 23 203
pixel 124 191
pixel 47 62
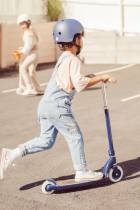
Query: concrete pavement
pixel 21 188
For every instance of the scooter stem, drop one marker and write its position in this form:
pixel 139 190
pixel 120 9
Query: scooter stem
pixel 104 95
pixel 108 124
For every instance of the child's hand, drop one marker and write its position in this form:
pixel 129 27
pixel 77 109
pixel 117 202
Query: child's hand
pixel 112 80
pixel 108 78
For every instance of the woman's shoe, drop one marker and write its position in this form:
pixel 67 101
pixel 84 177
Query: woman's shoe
pixel 20 91
pixel 30 92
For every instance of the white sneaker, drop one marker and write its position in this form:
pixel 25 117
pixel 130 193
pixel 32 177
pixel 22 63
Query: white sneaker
pixel 40 92
pixel 84 176
pixel 4 161
pixel 30 92
pixel 20 91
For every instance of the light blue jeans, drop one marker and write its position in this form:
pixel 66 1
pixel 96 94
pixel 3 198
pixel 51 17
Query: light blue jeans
pixel 56 116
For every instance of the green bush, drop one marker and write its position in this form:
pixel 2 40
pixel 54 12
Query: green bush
pixel 52 8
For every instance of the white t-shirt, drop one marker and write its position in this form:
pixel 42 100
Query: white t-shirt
pixel 30 41
pixel 68 75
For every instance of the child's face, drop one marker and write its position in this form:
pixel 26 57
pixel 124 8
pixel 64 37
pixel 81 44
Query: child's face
pixel 24 25
pixel 79 43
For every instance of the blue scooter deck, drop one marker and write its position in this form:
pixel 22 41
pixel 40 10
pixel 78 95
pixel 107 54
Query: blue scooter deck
pixel 70 184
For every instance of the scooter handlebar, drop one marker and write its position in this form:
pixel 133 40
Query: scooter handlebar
pixel 104 94
pixel 111 80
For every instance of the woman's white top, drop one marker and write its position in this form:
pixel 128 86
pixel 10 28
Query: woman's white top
pixel 30 40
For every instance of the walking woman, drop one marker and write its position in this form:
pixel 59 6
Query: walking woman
pixel 28 55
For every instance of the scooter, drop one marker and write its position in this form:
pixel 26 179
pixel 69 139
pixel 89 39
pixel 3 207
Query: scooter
pixel 110 170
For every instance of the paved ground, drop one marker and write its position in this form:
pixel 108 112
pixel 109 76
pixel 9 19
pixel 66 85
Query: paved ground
pixel 21 188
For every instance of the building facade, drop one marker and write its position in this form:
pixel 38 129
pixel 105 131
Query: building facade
pixel 112 29
pixel 119 15
pixel 10 9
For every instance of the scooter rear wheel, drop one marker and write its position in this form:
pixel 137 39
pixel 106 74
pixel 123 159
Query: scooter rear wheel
pixel 115 174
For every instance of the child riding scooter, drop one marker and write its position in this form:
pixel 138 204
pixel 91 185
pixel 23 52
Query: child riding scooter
pixel 55 111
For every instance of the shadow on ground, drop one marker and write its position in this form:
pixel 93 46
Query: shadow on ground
pixel 130 167
pixel 12 71
pixel 93 88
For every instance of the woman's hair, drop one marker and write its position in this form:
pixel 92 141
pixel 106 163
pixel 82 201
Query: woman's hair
pixel 65 45
pixel 28 23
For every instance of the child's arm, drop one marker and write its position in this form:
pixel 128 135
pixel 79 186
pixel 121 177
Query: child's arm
pixel 81 82
pixel 96 79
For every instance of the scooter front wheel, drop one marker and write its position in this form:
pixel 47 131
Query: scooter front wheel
pixel 115 174
pixel 46 185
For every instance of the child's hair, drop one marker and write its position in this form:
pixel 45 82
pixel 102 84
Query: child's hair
pixel 65 45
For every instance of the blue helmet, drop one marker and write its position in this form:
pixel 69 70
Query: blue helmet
pixel 65 30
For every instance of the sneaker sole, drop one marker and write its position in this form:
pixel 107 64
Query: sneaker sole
pixel 89 179
pixel 31 94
